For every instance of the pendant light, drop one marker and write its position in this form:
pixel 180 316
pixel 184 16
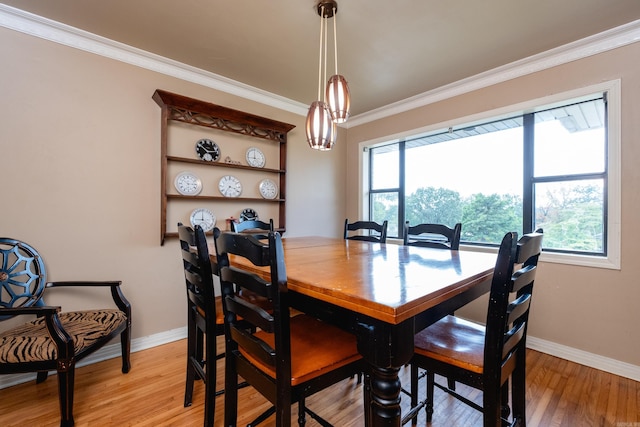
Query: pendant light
pixel 324 113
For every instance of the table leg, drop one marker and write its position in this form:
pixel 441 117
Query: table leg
pixel 386 348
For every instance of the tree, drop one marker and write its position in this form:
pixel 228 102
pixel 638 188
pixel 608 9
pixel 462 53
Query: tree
pixel 487 218
pixel 434 205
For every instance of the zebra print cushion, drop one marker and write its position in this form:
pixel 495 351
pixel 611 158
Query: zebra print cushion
pixel 31 342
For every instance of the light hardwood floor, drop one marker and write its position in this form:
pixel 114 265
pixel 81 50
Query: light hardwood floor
pixel 560 393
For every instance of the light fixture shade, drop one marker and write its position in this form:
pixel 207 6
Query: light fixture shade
pixel 320 129
pixel 339 98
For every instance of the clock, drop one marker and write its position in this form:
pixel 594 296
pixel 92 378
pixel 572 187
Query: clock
pixel 208 150
pixel 187 184
pixel 268 189
pixel 248 214
pixel 204 218
pixel 255 157
pixel 230 186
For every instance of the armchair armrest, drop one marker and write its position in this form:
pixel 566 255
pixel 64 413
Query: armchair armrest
pixel 63 341
pixel 116 293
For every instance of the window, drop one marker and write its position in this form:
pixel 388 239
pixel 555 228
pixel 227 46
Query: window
pixel 543 166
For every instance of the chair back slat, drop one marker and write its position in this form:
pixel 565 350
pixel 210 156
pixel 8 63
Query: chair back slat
pixel 256 347
pixel 252 313
pixel 253 227
pixel 368 226
pixel 518 307
pixel 428 235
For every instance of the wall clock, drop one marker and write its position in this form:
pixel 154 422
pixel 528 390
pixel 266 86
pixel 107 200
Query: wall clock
pixel 207 150
pixel 255 157
pixel 204 218
pixel 230 186
pixel 268 189
pixel 188 184
pixel 248 214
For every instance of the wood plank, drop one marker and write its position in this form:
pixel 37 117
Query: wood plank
pixel 559 393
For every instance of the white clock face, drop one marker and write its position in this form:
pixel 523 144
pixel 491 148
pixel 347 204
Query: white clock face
pixel 230 186
pixel 268 189
pixel 255 157
pixel 204 218
pixel 187 184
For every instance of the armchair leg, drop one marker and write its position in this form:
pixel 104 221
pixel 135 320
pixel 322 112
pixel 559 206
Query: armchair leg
pixel 65 395
pixel 125 344
pixel 41 376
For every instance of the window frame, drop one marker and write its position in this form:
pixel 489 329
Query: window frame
pixel 611 259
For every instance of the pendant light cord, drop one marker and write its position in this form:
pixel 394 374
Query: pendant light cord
pixel 320 56
pixel 335 38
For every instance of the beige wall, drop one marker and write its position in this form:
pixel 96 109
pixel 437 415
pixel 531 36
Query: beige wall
pixel 594 310
pixel 80 168
pixel 79 149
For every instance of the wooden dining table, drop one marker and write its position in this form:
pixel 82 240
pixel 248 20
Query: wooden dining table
pixel 384 294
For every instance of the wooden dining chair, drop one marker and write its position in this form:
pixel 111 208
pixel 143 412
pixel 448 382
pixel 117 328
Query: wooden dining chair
pixel 286 358
pixel 55 340
pixel 374 232
pixel 487 357
pixel 205 319
pixel 432 235
pixel 438 236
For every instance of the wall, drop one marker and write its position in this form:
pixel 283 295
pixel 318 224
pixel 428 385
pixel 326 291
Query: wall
pixel 80 167
pixel 593 310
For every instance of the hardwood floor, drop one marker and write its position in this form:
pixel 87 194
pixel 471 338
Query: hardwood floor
pixel 560 393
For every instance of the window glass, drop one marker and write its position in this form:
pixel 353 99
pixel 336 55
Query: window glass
pixel 385 207
pixel 385 167
pixel 570 140
pixel 546 168
pixel 475 179
pixel 571 213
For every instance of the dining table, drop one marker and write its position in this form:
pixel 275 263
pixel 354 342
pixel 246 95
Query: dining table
pixel 383 293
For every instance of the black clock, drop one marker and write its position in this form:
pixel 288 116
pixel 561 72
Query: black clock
pixel 208 150
pixel 248 214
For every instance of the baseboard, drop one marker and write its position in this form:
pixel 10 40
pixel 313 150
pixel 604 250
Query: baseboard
pixel 592 360
pixel 110 351
pixel 107 352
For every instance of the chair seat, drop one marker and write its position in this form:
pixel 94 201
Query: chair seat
pixel 454 341
pixel 316 347
pixel 31 342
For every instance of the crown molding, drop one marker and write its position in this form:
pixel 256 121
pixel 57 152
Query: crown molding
pixel 28 23
pixel 34 25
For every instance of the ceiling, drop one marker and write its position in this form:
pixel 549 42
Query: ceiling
pixel 388 51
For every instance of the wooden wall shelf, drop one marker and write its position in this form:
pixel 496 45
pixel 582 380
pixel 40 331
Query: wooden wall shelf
pixel 192 112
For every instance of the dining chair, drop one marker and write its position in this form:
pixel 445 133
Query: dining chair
pixel 253 226
pixel 55 340
pixel 205 319
pixel 487 357
pixel 374 232
pixel 432 235
pixel 438 236
pixel 286 358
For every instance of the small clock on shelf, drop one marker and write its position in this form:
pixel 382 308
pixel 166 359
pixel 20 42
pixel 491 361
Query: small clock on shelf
pixel 255 157
pixel 207 150
pixel 268 189
pixel 188 184
pixel 204 218
pixel 230 186
pixel 248 214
